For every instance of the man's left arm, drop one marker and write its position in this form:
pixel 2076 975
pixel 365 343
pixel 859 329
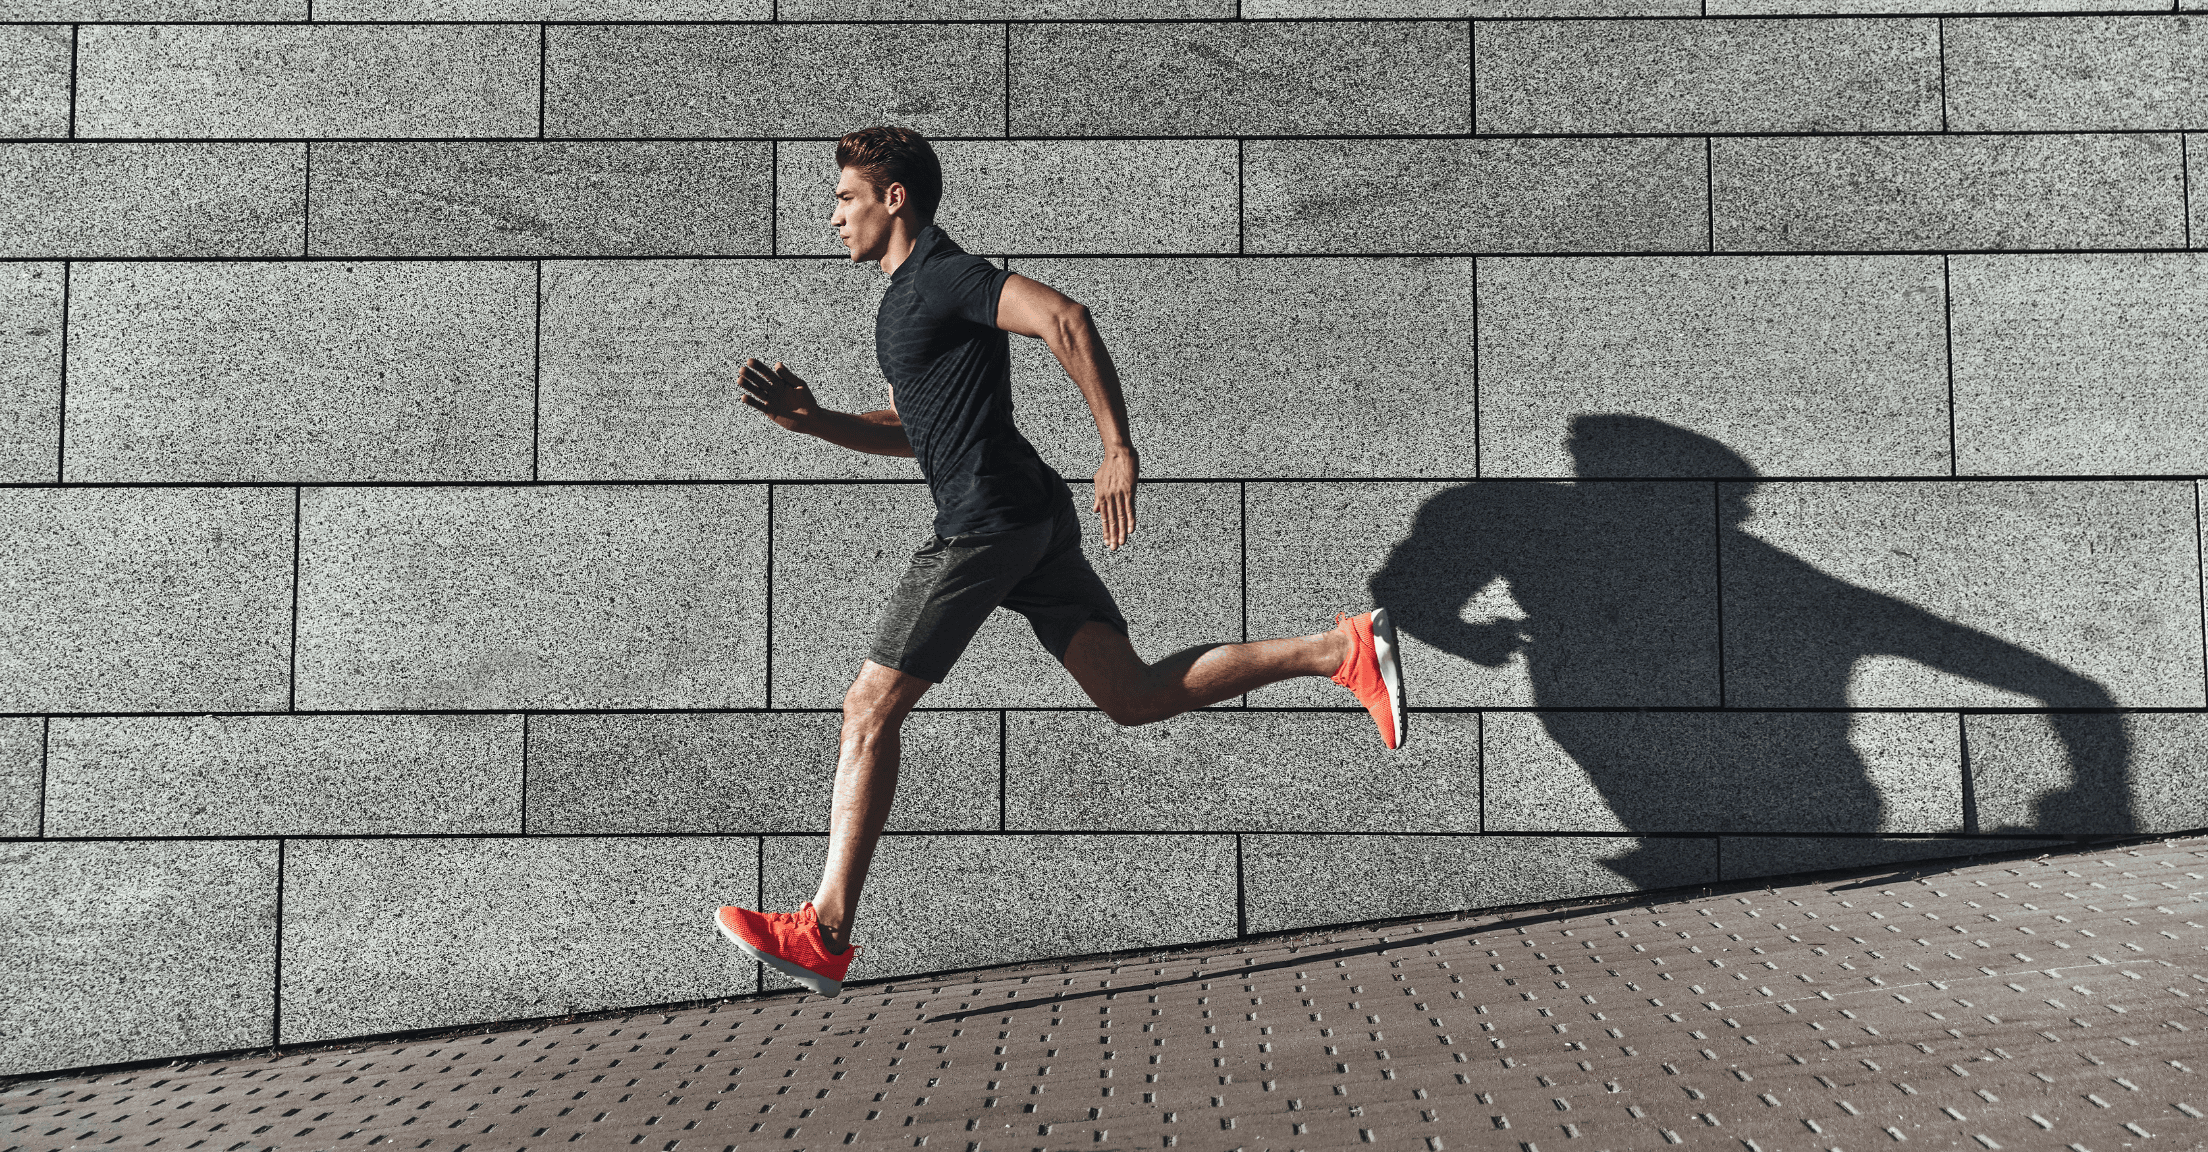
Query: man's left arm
pixel 1032 308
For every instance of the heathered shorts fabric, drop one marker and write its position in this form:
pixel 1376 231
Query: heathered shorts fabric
pixel 953 583
pixel 949 369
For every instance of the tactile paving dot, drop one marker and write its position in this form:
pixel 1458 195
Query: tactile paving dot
pixel 2058 1002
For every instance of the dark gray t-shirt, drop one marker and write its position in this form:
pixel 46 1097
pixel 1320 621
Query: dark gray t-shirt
pixel 939 346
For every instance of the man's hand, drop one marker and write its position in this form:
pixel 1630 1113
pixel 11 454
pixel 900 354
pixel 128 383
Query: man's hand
pixel 779 393
pixel 1115 495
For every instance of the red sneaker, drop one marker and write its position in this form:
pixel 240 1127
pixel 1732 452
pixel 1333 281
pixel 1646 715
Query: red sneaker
pixel 789 943
pixel 1373 670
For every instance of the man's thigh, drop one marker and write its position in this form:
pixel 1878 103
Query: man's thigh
pixel 883 693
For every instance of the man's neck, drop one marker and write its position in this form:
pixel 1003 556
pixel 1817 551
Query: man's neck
pixel 902 240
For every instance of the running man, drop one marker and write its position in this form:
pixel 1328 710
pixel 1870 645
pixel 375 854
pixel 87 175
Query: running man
pixel 1006 532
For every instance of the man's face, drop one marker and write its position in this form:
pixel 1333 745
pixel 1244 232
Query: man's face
pixel 862 217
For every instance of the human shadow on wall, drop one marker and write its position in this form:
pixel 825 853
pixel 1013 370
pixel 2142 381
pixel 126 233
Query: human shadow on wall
pixel 1614 588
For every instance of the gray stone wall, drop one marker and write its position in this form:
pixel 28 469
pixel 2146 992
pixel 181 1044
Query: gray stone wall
pixel 1780 432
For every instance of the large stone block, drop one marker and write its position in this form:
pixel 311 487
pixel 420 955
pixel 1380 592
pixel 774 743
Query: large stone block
pixel 749 772
pixel 639 360
pixel 1241 78
pixel 1117 196
pixel 1915 193
pixel 1674 772
pixel 253 371
pixel 1495 9
pixel 593 596
pixel 1234 771
pixel 121 951
pixel 768 80
pixel 1305 881
pixel 1709 76
pixel 22 775
pixel 88 200
pixel 934 903
pixel 1901 7
pixel 30 371
pixel 1962 594
pixel 1793 366
pixel 878 10
pixel 543 198
pixel 1177 581
pixel 271 80
pixel 1364 196
pixel 2081 773
pixel 2082 73
pixel 2080 364
pixel 146 599
pixel 1748 857
pixel 1246 368
pixel 283 775
pixel 544 10
pixel 389 935
pixel 1504 594
pixel 153 10
pixel 34 72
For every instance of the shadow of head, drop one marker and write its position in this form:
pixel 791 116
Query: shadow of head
pixel 1611 446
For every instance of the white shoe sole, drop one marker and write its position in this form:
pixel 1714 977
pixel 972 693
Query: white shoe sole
pixel 1384 650
pixel 812 980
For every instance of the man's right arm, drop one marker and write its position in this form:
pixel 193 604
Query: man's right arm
pixel 788 401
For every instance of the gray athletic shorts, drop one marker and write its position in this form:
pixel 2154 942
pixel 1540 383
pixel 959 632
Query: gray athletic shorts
pixel 1037 570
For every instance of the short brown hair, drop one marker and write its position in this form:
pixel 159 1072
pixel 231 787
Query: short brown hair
pixel 886 155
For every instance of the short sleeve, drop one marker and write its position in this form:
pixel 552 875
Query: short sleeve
pixel 968 286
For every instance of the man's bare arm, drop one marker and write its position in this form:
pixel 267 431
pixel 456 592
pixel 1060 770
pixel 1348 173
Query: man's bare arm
pixel 1033 308
pixel 788 401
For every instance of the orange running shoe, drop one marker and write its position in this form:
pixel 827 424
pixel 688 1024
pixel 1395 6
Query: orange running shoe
pixel 789 943
pixel 1373 670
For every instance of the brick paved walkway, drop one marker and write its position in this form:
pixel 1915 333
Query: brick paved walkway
pixel 2060 1002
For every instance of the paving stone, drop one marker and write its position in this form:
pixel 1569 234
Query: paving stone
pixel 2088 773
pixel 749 772
pixel 34 72
pixel 30 370
pixel 1994 594
pixel 1742 857
pixel 22 775
pixel 122 951
pixel 1503 594
pixel 638 363
pixel 1363 196
pixel 1006 10
pixel 1302 880
pixel 1236 79
pixel 122 200
pixel 2079 73
pixel 283 775
pixel 88 11
pixel 1655 772
pixel 2079 364
pixel 1232 771
pixel 252 371
pixel 1905 7
pixel 770 80
pixel 1903 193
pixel 1105 196
pixel 1017 897
pixel 1709 76
pixel 1298 367
pixel 388 935
pixel 595 596
pixel 593 198
pixel 148 599
pixel 1177 582
pixel 1796 366
pixel 262 80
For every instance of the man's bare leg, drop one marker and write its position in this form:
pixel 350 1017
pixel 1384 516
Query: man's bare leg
pixel 1104 663
pixel 866 784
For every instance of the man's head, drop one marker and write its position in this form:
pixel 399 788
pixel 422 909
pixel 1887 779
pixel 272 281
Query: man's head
pixel 885 176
